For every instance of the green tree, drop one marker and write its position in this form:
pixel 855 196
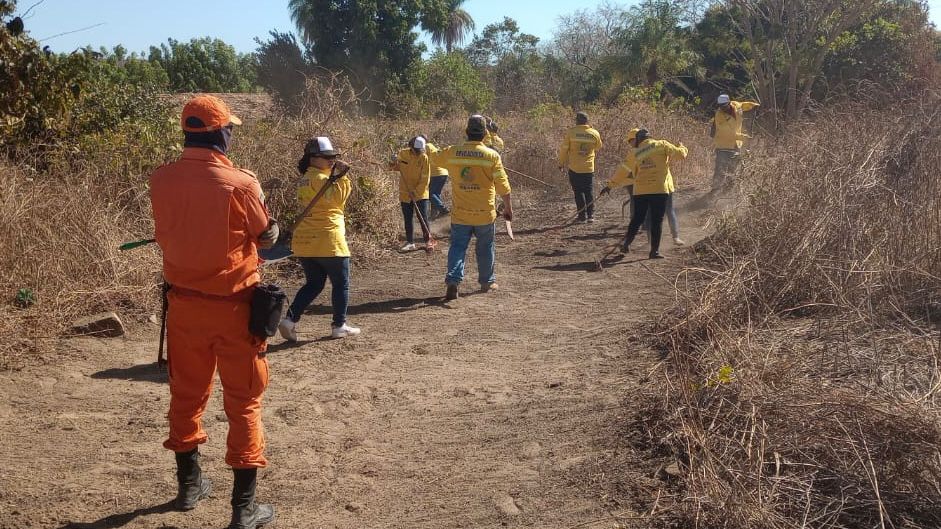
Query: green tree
pixel 448 84
pixel 283 68
pixel 205 65
pixel 372 41
pixel 654 47
pixel 511 64
pixel 500 41
pixel 892 48
pixel 459 24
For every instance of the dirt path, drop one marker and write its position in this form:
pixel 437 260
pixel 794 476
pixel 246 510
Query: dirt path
pixel 500 409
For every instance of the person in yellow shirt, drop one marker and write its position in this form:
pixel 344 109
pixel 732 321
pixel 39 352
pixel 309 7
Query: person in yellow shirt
pixel 478 176
pixel 319 241
pixel 624 177
pixel 727 133
pixel 493 140
pixel 439 177
pixel 577 154
pixel 624 173
pixel 653 184
pixel 415 177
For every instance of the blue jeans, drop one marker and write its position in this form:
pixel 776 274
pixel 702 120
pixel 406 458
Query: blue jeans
pixel 434 189
pixel 408 213
pixel 485 249
pixel 316 272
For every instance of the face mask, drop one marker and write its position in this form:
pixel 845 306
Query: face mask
pixel 218 140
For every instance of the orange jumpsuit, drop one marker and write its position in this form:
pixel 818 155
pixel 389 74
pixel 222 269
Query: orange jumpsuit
pixel 208 216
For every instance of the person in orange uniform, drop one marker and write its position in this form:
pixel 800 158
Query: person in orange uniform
pixel 653 184
pixel 319 240
pixel 577 154
pixel 727 133
pixel 414 188
pixel 210 220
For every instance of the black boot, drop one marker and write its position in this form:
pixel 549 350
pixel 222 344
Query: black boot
pixel 192 486
pixel 246 514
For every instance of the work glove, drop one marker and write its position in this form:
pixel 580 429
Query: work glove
pixel 339 169
pixel 269 237
pixel 604 191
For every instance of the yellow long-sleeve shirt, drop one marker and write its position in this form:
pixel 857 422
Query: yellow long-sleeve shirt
pixel 477 178
pixel 494 141
pixel 624 173
pixel 322 233
pixel 414 174
pixel 436 170
pixel 577 152
pixel 728 128
pixel 651 166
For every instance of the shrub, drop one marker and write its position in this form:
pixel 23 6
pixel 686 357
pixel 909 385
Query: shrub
pixel 820 297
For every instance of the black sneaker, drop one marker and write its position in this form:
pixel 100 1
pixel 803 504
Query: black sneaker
pixel 656 255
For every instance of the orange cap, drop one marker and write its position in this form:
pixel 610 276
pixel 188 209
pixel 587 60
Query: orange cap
pixel 207 113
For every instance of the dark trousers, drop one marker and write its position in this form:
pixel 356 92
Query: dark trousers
pixel 316 272
pixel 584 188
pixel 728 163
pixel 408 213
pixel 656 205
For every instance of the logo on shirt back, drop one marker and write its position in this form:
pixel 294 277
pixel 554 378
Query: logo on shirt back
pixel 466 174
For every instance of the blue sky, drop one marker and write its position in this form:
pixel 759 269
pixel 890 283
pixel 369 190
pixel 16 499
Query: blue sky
pixel 138 25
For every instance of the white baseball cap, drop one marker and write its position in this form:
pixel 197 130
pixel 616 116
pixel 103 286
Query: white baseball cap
pixel 419 144
pixel 724 99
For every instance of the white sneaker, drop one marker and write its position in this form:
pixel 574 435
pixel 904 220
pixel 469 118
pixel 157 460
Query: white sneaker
pixel 679 242
pixel 288 330
pixel 410 247
pixel 344 330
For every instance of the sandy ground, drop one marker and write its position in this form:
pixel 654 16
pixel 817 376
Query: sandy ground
pixel 506 409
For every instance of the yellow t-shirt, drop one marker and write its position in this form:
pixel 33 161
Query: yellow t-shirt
pixel 728 128
pixel 414 174
pixel 322 233
pixel 577 152
pixel 477 177
pixel 652 166
pixel 436 170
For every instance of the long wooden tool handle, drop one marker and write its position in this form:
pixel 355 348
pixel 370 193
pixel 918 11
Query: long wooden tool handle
pixel 335 174
pixel 524 175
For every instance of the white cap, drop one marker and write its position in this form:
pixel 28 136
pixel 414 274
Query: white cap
pixel 419 144
pixel 723 99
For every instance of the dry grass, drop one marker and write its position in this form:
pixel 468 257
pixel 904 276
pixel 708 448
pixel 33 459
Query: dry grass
pixel 62 226
pixel 804 382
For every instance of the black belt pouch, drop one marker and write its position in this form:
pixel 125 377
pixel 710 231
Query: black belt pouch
pixel 267 305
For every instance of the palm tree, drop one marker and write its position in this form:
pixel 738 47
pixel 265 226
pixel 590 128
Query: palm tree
pixel 304 15
pixel 459 25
